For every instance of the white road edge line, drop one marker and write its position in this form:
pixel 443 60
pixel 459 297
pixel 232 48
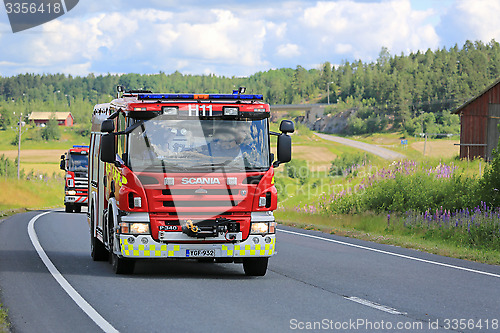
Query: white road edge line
pixel 79 300
pixel 391 253
pixel 375 305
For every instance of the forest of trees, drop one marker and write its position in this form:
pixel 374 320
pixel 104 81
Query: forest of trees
pixel 413 92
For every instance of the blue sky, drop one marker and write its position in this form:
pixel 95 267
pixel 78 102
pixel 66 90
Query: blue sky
pixel 236 38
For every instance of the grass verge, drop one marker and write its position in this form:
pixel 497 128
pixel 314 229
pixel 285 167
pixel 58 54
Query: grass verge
pixel 372 227
pixel 31 194
pixel 4 322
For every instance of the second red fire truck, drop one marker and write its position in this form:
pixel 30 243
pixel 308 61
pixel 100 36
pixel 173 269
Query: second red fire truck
pixel 184 176
pixel 75 163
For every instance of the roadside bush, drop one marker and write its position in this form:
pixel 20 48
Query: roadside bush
pixel 490 183
pixel 401 193
pixel 346 204
pixel 8 168
pixel 297 169
pixel 51 131
pixel 347 163
pixel 421 191
pixel 478 227
pixel 281 188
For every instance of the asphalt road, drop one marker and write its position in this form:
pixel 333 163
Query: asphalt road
pixel 374 149
pixel 315 281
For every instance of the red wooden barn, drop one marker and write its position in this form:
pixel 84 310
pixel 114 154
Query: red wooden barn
pixel 478 123
pixel 63 118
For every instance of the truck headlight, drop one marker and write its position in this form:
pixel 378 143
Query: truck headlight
pixel 134 228
pixel 263 228
pixel 259 228
pixel 71 192
pixel 139 228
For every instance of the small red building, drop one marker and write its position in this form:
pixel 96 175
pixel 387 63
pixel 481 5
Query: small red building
pixel 42 118
pixel 478 123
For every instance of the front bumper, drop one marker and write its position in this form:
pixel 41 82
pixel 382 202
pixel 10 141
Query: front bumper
pixel 75 199
pixel 147 247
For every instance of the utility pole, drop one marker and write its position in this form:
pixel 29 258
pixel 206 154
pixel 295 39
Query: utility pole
pixel 425 143
pixel 328 91
pixel 19 146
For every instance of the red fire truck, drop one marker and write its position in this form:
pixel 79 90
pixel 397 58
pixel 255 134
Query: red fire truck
pixel 184 176
pixel 75 162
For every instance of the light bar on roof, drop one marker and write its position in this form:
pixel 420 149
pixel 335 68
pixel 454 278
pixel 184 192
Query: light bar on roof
pixel 200 96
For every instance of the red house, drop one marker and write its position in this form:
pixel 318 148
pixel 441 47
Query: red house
pixel 478 123
pixel 42 118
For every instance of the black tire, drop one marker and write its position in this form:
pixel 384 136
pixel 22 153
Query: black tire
pixel 77 209
pixel 68 208
pixel 121 265
pixel 98 251
pixel 255 266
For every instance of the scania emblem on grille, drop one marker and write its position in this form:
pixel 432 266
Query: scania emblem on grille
pixel 201 191
pixel 200 181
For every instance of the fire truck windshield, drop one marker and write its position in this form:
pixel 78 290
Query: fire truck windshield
pixel 164 144
pixel 78 163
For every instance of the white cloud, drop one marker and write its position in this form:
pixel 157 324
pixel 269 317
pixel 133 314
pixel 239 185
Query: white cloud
pixel 343 48
pixel 362 28
pixel 481 18
pixel 288 50
pixel 121 36
pixel 78 69
pixel 277 30
pixel 156 36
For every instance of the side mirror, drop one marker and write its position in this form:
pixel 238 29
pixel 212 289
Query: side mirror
pixel 284 148
pixel 62 165
pixel 107 126
pixel 108 152
pixel 287 126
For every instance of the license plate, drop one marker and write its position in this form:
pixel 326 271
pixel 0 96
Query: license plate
pixel 200 253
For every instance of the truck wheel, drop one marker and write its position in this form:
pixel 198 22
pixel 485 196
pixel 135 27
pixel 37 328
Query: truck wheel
pixel 98 251
pixel 121 265
pixel 255 266
pixel 68 208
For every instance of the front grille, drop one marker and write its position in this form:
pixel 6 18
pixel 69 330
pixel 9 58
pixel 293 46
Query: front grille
pixel 81 182
pixel 200 203
pixel 194 191
pixel 174 214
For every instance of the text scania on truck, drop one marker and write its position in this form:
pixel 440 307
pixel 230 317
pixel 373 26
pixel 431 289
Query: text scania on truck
pixel 75 162
pixel 184 176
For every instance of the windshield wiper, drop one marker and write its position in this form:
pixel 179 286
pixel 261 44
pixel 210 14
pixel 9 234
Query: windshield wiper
pixel 172 166
pixel 226 162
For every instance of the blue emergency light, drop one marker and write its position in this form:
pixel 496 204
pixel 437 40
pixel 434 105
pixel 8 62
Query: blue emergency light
pixel 80 146
pixel 199 96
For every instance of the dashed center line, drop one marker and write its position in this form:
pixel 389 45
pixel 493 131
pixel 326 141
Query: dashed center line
pixel 375 305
